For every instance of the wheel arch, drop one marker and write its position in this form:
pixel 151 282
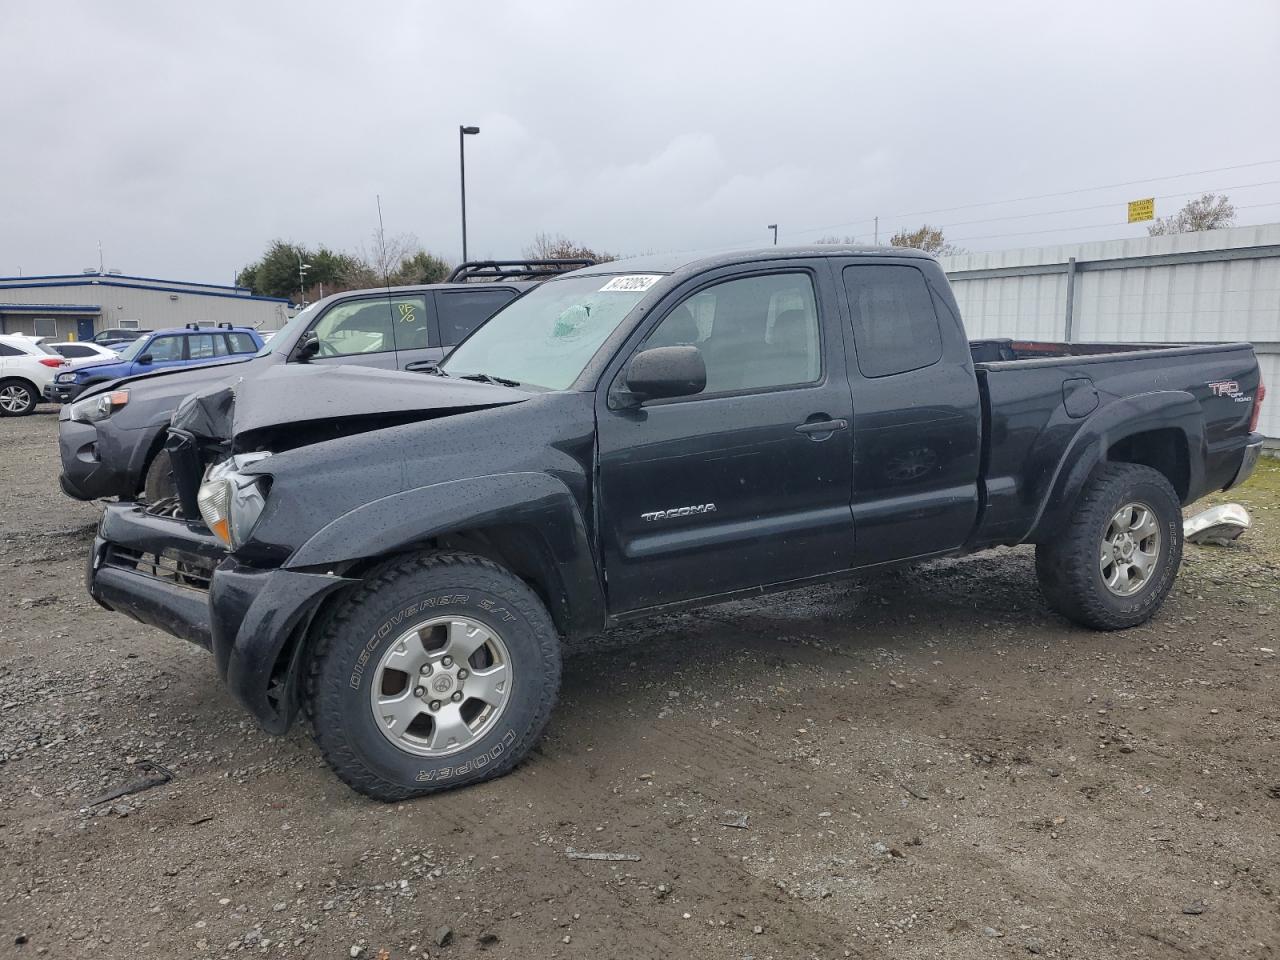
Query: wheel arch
pixel 529 523
pixel 1163 430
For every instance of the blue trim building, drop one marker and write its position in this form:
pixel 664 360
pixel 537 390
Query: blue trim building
pixel 79 305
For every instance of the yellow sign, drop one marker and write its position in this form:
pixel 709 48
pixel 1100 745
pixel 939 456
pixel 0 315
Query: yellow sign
pixel 1140 210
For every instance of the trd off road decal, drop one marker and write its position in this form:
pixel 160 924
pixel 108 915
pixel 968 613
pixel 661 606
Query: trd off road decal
pixel 1228 388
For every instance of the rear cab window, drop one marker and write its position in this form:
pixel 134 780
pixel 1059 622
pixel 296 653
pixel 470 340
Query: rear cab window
pixel 895 326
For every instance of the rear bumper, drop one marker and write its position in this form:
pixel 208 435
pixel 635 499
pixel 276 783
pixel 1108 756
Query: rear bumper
pixel 1248 461
pixel 179 578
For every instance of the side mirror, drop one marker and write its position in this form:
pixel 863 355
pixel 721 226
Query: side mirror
pixel 662 372
pixel 146 358
pixel 308 347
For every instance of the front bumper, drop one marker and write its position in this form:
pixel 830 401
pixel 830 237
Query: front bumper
pixel 1248 461
pixel 62 392
pixel 178 577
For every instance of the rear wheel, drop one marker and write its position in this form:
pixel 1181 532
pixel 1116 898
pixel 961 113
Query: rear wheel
pixel 17 398
pixel 440 671
pixel 1116 560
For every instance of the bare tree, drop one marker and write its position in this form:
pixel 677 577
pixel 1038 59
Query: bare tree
pixel 545 246
pixel 926 238
pixel 1209 212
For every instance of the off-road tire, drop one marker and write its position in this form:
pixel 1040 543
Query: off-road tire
pixel 341 669
pixel 33 397
pixel 159 483
pixel 1068 564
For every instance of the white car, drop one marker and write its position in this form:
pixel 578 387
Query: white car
pixel 27 366
pixel 80 352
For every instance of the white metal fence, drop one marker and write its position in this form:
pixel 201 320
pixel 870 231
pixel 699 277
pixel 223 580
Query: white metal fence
pixel 1187 288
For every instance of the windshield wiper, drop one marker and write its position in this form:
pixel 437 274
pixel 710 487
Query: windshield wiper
pixel 490 378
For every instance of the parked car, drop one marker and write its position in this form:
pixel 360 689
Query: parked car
pixel 81 352
pixel 27 366
pixel 114 450
pixel 118 335
pixel 179 348
pixel 402 555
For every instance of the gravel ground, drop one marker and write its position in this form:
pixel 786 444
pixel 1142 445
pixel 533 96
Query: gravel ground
pixel 924 765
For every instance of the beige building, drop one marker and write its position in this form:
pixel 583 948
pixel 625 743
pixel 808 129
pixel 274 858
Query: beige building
pixel 75 306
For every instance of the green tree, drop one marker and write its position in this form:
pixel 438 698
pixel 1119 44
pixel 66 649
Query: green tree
pixel 276 274
pixel 420 267
pixel 1209 212
pixel 926 238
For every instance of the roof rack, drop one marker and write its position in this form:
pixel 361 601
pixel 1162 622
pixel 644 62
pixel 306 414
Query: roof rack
pixel 534 269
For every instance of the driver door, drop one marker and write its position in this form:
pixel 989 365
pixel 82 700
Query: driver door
pixel 746 483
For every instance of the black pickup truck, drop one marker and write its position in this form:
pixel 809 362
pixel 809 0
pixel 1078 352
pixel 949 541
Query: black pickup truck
pixel 400 555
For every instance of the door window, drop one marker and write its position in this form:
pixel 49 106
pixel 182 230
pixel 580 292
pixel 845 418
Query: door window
pixel 206 346
pixel 754 333
pixel 72 351
pixel 895 328
pixel 241 343
pixel 165 348
pixel 460 313
pixel 365 326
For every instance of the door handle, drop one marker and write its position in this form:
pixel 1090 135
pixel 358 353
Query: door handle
pixel 822 426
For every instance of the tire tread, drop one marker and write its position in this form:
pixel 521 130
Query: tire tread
pixel 318 697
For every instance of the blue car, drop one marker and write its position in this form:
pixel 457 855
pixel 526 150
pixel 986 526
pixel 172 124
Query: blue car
pixel 190 346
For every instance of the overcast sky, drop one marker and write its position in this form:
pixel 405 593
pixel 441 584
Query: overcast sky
pixel 186 136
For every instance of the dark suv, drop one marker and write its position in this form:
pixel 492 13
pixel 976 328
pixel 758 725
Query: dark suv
pixel 111 438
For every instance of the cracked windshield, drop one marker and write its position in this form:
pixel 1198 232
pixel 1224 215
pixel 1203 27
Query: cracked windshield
pixel 546 338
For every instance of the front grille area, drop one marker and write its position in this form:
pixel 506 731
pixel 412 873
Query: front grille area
pixel 187 570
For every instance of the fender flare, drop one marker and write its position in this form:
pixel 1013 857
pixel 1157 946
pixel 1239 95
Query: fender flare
pixel 1116 421
pixel 533 501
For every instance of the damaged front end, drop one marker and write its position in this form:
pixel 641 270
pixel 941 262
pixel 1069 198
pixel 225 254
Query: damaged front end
pixel 190 564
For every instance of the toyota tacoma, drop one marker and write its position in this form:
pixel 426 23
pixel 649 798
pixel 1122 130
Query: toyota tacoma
pixel 399 556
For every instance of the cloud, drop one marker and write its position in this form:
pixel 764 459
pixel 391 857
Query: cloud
pixel 187 137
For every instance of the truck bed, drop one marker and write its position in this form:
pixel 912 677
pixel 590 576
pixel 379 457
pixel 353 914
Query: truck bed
pixel 1038 397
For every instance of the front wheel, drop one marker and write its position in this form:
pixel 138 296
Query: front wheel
pixel 159 483
pixel 438 672
pixel 1116 560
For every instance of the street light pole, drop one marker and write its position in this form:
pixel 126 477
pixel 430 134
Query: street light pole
pixel 774 228
pixel 302 280
pixel 463 132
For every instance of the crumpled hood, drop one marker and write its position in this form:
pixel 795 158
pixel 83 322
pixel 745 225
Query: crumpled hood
pixel 296 396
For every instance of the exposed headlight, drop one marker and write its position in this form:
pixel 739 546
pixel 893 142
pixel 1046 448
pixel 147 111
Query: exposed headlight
pixel 99 407
pixel 231 501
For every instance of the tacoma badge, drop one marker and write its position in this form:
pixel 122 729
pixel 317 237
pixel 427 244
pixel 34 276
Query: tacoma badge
pixel 678 512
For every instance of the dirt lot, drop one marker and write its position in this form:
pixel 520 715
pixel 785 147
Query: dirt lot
pixel 927 765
